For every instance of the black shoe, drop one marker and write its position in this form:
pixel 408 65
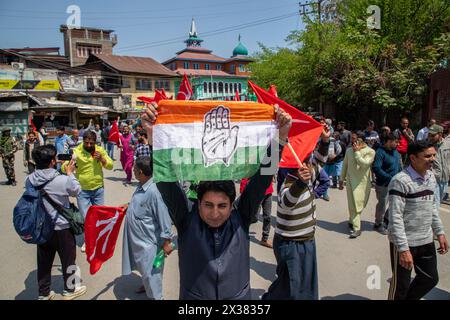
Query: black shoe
pixel 14 183
pixel 355 234
pixel 8 183
pixel 380 229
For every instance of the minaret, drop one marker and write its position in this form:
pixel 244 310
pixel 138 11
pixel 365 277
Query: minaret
pixel 194 40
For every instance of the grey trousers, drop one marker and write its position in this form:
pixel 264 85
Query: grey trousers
pixel 382 205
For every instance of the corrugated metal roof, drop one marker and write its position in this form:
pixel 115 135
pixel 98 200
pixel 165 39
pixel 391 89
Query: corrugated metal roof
pixel 199 56
pixel 130 64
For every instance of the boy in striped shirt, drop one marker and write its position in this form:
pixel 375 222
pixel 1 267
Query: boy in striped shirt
pixel 294 244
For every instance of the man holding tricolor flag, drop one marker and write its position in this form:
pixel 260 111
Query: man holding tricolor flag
pixel 215 142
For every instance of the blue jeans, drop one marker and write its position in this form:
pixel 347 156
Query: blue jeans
pixel 110 150
pixel 89 198
pixel 296 270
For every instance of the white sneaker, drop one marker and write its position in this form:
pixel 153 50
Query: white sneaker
pixel 83 248
pixel 79 291
pixel 50 296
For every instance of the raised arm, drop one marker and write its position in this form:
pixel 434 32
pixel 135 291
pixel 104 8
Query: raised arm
pixel 176 201
pixel 254 192
pixel 365 160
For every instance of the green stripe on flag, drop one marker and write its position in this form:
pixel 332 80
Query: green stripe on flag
pixel 184 164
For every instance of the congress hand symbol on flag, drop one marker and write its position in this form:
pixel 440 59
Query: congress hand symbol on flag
pixel 219 142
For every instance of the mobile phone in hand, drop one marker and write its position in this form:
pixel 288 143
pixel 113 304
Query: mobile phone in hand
pixel 64 157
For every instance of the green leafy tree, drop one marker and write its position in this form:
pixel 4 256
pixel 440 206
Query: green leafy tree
pixel 345 63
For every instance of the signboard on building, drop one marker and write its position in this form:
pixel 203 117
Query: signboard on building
pixel 73 83
pixel 17 121
pixel 29 79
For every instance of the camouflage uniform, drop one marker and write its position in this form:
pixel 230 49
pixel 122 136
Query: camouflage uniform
pixel 8 146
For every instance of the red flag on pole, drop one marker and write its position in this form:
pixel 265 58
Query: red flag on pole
pixel 185 92
pixel 146 99
pixel 237 97
pixel 304 133
pixel 101 229
pixel 273 90
pixel 159 95
pixel 114 133
pixel 163 93
pixel 31 124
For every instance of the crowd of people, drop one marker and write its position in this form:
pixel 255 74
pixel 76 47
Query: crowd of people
pixel 410 175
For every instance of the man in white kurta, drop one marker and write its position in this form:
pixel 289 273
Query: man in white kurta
pixel 148 229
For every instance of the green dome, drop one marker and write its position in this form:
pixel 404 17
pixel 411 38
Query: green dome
pixel 240 50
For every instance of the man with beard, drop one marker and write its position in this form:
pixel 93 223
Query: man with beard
pixel 90 161
pixel 143 149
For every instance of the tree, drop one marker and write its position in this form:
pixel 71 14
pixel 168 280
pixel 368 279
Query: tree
pixel 351 66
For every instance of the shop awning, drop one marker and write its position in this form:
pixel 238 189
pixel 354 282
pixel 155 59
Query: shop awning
pixel 82 108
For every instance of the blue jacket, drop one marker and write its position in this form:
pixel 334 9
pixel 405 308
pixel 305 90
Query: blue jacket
pixel 386 165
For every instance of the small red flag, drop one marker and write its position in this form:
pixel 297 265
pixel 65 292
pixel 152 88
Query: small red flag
pixel 159 96
pixel 101 229
pixel 163 93
pixel 31 124
pixel 114 133
pixel 185 92
pixel 304 133
pixel 237 97
pixel 273 90
pixel 146 99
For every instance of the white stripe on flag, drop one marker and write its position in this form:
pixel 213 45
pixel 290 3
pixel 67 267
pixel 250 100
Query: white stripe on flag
pixel 189 135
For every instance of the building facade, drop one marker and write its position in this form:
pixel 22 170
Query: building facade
pixel 132 77
pixel 212 77
pixel 79 43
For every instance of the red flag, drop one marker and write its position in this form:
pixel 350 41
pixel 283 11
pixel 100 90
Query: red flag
pixel 146 99
pixel 304 133
pixel 101 229
pixel 163 93
pixel 159 95
pixel 185 92
pixel 31 124
pixel 114 133
pixel 273 90
pixel 237 97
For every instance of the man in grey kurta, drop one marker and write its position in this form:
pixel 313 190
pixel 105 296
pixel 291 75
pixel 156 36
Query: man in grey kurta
pixel 148 228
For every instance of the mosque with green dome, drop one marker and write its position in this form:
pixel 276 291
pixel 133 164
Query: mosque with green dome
pixel 212 77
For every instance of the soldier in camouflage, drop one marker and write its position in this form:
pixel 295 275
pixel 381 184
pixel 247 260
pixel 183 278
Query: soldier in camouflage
pixel 8 146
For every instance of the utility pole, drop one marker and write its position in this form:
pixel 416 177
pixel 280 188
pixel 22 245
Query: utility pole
pixel 323 8
pixel 318 7
pixel 309 7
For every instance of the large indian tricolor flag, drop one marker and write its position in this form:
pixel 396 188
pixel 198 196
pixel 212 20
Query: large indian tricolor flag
pixel 210 140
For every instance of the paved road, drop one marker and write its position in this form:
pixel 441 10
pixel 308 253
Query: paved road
pixel 343 263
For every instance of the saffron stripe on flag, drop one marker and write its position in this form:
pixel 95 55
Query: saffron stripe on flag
pixel 193 111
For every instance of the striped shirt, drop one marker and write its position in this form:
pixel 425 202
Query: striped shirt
pixel 413 210
pixel 296 213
